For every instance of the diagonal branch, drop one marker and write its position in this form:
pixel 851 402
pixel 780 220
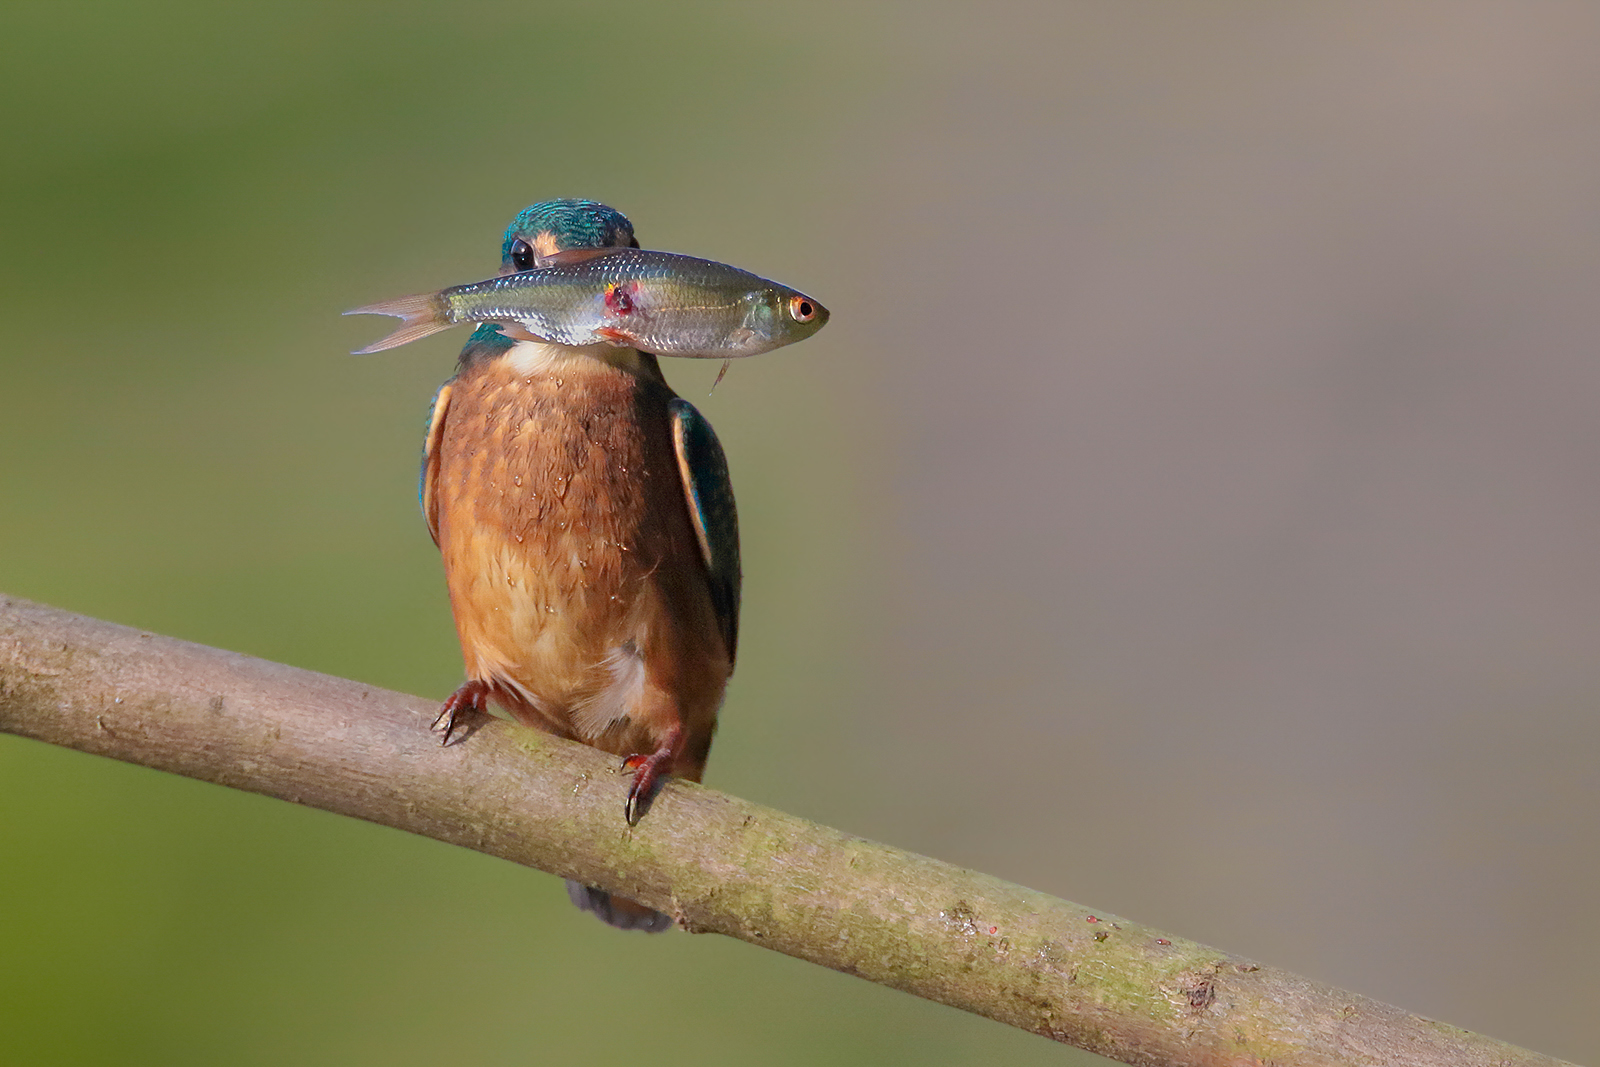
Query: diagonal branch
pixel 717 863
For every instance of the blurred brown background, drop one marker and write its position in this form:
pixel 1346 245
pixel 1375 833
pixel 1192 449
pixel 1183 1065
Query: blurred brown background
pixel 1191 509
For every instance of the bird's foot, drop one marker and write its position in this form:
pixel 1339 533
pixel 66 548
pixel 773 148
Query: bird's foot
pixel 648 773
pixel 466 710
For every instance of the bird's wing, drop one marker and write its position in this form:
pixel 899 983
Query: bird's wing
pixel 709 494
pixel 426 490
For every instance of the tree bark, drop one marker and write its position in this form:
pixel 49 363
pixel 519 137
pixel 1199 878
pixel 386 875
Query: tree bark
pixel 716 863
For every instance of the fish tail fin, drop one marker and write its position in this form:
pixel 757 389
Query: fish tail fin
pixel 421 316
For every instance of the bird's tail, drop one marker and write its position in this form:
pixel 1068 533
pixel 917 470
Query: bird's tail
pixel 620 912
pixel 420 315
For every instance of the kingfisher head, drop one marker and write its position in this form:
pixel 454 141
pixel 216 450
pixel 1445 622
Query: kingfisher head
pixel 548 227
pixel 552 226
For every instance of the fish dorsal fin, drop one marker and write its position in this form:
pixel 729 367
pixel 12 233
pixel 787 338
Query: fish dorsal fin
pixel 569 256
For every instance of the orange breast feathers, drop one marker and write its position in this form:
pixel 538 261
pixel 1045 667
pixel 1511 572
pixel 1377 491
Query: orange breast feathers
pixel 579 593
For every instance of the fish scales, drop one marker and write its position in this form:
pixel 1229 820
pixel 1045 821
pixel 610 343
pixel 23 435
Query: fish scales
pixel 659 302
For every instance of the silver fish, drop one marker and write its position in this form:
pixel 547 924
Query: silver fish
pixel 658 302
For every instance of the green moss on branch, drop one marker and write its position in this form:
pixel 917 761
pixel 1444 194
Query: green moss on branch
pixel 716 863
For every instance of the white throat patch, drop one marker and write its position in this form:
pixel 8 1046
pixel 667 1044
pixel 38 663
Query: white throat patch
pixel 543 357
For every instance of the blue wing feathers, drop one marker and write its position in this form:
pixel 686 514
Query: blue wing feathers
pixel 486 342
pixel 709 493
pixel 430 458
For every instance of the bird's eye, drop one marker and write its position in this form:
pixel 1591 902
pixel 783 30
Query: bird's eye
pixel 522 256
pixel 801 309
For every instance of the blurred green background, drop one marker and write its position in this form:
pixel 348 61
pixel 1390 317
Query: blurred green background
pixel 1191 509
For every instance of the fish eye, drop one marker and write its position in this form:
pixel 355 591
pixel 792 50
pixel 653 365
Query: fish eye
pixel 801 309
pixel 522 256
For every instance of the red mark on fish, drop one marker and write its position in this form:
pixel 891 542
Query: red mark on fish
pixel 619 300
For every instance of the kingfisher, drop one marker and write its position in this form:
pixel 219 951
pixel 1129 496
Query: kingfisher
pixel 586 522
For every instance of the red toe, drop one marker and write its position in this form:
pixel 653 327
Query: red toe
pixel 466 709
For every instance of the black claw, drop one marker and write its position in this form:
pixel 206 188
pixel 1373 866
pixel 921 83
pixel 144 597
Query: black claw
pixel 641 795
pixel 464 711
pixel 448 718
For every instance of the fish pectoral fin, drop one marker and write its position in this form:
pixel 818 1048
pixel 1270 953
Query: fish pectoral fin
pixel 421 316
